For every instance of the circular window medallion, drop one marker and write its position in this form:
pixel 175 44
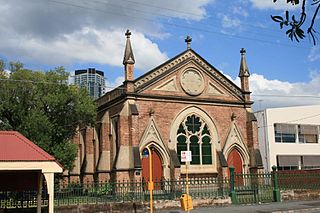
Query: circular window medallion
pixel 192 82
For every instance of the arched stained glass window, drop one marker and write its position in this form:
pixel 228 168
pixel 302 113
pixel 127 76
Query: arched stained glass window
pixel 193 134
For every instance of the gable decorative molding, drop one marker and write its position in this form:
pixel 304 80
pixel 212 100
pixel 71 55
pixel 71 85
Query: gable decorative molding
pixel 170 85
pixel 192 81
pixel 213 90
pixel 151 134
pixel 187 55
pixel 152 137
pixel 235 140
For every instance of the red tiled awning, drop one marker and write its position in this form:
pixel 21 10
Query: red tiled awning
pixel 15 147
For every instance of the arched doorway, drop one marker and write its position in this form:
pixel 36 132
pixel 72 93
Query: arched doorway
pixel 157 170
pixel 235 160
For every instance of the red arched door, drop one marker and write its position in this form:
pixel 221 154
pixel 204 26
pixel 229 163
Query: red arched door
pixel 156 169
pixel 235 160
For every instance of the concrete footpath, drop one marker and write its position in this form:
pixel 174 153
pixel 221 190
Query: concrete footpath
pixel 281 207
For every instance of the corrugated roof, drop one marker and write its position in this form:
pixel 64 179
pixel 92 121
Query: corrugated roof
pixel 15 147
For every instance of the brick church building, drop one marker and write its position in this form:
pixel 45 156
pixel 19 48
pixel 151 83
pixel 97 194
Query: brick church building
pixel 183 104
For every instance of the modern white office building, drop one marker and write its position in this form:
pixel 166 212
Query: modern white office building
pixel 91 79
pixel 289 137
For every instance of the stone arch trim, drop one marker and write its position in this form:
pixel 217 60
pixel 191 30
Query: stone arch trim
pixel 152 137
pixel 183 114
pixel 214 139
pixel 235 141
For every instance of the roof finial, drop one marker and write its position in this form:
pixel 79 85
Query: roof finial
pixel 188 41
pixel 128 33
pixel 242 51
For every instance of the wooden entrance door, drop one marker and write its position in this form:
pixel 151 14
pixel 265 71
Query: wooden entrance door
pixel 157 171
pixel 235 160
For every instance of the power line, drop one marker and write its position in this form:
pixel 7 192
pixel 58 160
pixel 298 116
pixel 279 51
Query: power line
pixel 183 26
pixel 152 6
pixel 304 118
pixel 292 121
pixel 181 12
pixel 33 82
pixel 153 13
pixel 287 96
pixel 63 82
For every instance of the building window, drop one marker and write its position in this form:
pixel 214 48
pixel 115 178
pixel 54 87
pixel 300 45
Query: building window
pixel 295 162
pixel 310 162
pixel 288 162
pixel 114 130
pixel 193 134
pixel 285 133
pixel 308 134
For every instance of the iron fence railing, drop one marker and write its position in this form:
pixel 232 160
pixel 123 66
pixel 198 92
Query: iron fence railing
pixel 88 193
pixel 21 200
pixel 253 188
pixel 242 188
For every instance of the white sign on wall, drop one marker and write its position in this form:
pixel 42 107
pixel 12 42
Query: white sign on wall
pixel 185 156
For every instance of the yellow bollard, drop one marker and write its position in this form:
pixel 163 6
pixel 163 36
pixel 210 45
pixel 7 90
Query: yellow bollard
pixel 186 202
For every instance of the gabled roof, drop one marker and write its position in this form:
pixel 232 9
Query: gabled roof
pixel 15 147
pixel 163 69
pixel 183 57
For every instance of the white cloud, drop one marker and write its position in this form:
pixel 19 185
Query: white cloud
pixel 113 84
pixel 229 22
pixel 314 54
pixel 269 4
pixel 147 54
pixel 238 10
pixel 88 46
pixel 274 93
pixel 77 31
pixel 261 85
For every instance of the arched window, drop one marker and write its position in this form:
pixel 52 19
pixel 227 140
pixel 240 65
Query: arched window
pixel 193 134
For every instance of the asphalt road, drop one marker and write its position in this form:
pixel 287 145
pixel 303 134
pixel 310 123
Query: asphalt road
pixel 281 207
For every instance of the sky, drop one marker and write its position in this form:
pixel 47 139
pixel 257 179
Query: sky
pixel 78 34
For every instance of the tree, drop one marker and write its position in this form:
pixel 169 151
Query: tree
pixel 15 66
pixel 44 108
pixel 295 24
pixel 2 66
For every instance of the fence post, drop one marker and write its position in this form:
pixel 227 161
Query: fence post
pixel 233 194
pixel 276 191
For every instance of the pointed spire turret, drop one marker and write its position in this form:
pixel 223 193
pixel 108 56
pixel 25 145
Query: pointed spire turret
pixel 128 62
pixel 244 76
pixel 128 53
pixel 244 71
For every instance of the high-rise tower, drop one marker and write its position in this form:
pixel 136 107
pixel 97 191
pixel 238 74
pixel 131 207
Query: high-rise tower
pixel 91 79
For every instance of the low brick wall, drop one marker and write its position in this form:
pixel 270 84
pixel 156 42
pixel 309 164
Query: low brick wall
pixel 169 204
pixel 137 207
pixel 301 194
pixel 106 207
